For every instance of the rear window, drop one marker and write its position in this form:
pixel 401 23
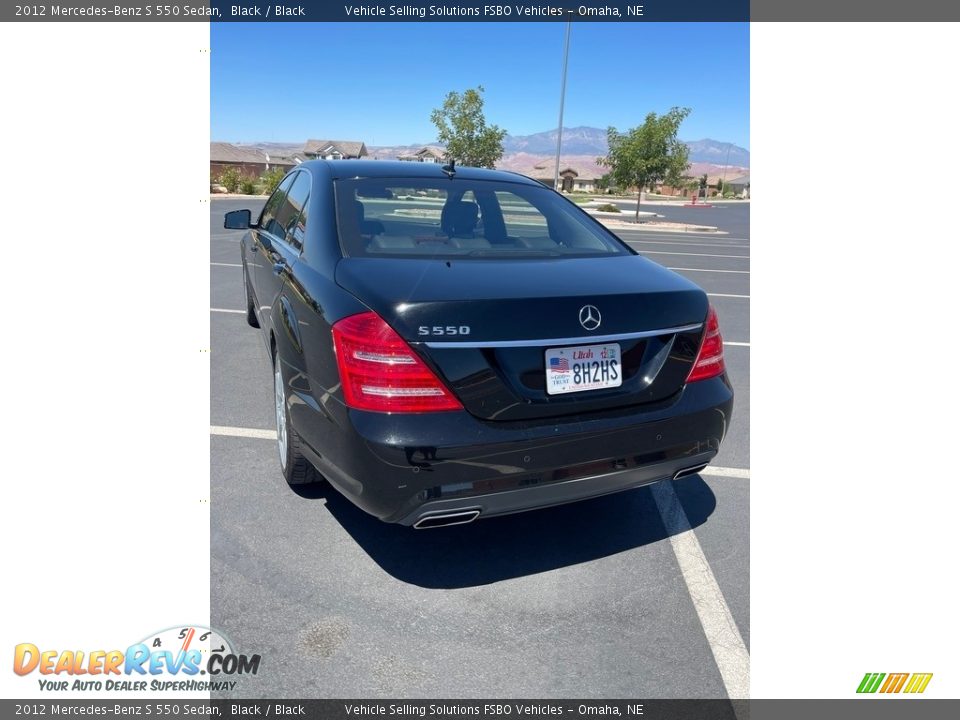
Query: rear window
pixel 443 218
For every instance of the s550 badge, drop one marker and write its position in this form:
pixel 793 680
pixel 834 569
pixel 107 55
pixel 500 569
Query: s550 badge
pixel 444 330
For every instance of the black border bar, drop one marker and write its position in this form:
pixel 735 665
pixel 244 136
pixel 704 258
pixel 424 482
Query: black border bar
pixel 480 11
pixel 873 708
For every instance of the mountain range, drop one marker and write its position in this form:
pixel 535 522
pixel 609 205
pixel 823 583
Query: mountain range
pixel 592 141
pixel 586 141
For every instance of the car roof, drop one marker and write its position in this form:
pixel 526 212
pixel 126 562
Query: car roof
pixel 342 169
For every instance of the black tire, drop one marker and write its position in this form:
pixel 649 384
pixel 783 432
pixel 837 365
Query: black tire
pixel 296 469
pixel 252 320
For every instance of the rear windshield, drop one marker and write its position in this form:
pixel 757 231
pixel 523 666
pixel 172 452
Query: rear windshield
pixel 444 218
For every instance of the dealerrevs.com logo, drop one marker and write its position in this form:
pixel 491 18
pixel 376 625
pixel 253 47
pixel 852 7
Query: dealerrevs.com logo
pixel 910 683
pixel 183 659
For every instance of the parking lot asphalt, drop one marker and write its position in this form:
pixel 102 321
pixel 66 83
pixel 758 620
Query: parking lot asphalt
pixel 598 599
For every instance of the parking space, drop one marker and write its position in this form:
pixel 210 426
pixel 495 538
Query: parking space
pixel 586 600
pixel 226 284
pixel 727 281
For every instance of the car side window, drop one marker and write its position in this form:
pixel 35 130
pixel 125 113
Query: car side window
pixel 296 236
pixel 291 210
pixel 268 217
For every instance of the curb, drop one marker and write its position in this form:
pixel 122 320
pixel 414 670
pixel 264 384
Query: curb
pixel 653 226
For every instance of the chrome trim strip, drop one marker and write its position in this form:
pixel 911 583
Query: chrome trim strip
pixel 444 516
pixel 691 470
pixel 553 342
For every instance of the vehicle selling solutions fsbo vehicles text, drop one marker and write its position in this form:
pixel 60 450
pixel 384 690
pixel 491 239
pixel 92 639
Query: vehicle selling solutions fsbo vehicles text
pixel 490 11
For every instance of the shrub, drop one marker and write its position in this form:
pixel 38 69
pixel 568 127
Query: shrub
pixel 608 207
pixel 230 179
pixel 270 179
pixel 248 186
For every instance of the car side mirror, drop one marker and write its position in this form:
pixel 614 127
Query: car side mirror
pixel 237 220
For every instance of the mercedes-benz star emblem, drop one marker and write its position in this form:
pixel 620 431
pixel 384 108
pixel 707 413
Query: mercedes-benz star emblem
pixel 589 317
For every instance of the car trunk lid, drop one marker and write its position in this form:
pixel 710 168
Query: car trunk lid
pixel 485 326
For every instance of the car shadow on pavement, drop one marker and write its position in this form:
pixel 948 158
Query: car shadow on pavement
pixel 487 551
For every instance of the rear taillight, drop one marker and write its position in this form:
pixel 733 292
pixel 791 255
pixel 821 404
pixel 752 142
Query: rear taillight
pixel 380 372
pixel 709 361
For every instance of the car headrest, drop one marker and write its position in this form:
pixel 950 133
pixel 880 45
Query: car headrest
pixel 459 218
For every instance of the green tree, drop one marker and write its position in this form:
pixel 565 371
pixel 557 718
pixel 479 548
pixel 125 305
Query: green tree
pixel 463 129
pixel 270 179
pixel 649 153
pixel 230 179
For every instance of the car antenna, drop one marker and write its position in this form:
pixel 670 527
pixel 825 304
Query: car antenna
pixel 449 168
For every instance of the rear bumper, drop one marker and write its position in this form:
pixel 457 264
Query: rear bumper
pixel 554 493
pixel 402 468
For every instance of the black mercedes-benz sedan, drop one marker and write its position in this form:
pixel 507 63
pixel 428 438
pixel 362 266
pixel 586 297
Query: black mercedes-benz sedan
pixel 451 343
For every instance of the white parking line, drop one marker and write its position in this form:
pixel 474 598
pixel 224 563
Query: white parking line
pixel 736 344
pixel 224 310
pixel 227 264
pixel 665 252
pixel 741 473
pixel 726 643
pixel 727 295
pixel 738 272
pixel 227 431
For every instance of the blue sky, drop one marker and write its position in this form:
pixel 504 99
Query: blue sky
pixel 378 82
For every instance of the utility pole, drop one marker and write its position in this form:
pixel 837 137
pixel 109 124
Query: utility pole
pixel 563 92
pixel 726 162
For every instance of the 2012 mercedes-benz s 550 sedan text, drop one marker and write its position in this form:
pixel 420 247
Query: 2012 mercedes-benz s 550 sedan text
pixel 451 343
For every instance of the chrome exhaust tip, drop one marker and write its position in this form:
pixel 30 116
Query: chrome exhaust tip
pixel 693 470
pixel 446 519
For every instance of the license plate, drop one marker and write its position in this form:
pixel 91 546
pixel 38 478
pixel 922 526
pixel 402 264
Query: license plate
pixel 586 367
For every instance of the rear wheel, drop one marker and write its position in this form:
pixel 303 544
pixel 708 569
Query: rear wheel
pixel 248 296
pixel 296 469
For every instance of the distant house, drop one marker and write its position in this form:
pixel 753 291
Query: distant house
pixel 428 154
pixel 739 186
pixel 334 150
pixel 690 187
pixel 277 160
pixel 572 178
pixel 578 179
pixel 250 163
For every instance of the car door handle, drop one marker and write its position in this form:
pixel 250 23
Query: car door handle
pixel 279 267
